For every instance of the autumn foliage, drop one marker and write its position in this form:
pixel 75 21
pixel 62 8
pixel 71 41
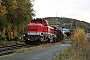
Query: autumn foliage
pixel 14 17
pixel 78 38
pixel 80 47
pixel 80 44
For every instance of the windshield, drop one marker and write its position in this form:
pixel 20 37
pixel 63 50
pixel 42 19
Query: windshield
pixel 36 21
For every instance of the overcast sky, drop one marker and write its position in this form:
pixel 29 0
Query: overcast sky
pixel 77 9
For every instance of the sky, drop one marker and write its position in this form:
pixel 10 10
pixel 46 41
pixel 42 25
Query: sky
pixel 76 9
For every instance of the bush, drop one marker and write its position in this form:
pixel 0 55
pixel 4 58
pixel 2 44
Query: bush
pixel 80 47
pixel 78 38
pixel 80 44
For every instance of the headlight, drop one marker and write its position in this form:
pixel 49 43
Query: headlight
pixel 48 37
pixel 23 35
pixel 28 39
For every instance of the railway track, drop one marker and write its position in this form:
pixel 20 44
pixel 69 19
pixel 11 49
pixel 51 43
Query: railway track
pixel 4 50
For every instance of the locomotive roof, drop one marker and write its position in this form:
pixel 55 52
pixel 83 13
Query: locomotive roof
pixel 39 19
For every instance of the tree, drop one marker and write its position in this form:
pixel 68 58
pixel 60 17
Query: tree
pixel 3 22
pixel 19 13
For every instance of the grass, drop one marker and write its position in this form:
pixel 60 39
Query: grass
pixel 7 55
pixel 68 54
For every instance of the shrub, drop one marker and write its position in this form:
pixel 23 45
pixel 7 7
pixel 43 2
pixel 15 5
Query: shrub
pixel 79 44
pixel 78 38
pixel 80 47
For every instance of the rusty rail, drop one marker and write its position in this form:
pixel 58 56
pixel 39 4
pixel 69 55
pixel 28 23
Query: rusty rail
pixel 4 50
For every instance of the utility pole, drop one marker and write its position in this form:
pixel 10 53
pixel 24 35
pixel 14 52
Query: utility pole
pixel 32 0
pixel 56 14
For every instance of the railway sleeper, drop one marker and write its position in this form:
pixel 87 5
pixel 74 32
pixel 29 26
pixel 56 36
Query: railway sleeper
pixel 5 52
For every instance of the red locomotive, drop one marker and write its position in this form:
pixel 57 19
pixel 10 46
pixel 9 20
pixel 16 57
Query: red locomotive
pixel 39 31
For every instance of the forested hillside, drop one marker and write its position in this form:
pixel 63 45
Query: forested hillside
pixel 14 16
pixel 69 23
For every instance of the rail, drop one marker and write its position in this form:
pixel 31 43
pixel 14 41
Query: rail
pixel 11 49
